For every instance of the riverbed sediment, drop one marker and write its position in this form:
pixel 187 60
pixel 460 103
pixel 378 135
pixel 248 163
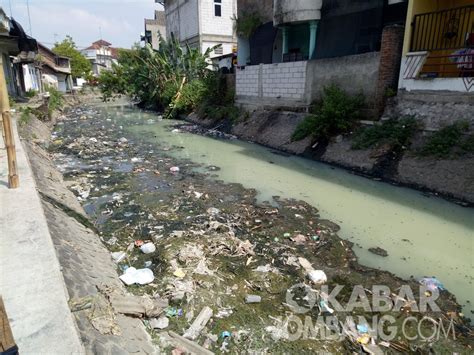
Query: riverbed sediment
pixel 214 243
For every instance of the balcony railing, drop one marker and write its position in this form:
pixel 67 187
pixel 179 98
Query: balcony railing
pixel 442 30
pixel 458 64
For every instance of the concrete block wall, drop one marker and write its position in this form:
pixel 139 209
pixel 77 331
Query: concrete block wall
pixel 247 81
pixel 285 80
pixel 273 81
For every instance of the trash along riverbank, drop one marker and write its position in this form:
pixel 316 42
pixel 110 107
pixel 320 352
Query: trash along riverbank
pixel 218 271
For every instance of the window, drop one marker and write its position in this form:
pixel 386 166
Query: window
pixel 218 8
pixel 219 50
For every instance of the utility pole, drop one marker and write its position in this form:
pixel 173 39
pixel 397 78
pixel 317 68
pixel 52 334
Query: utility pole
pixel 13 180
pixel 29 16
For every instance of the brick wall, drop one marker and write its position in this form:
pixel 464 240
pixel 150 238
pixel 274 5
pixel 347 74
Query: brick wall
pixel 390 59
pixel 273 81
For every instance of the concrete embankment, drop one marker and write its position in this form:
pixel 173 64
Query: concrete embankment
pixel 449 178
pixel 31 282
pixel 58 262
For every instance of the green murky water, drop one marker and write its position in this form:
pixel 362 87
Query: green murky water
pixel 424 236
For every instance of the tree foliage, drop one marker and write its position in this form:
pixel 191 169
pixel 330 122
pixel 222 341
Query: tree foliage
pixel 173 78
pixel 80 66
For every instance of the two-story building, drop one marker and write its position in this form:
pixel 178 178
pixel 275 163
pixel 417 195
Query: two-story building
pixel 438 50
pixel 54 70
pixel 154 28
pixel 202 24
pixel 298 47
pixel 101 54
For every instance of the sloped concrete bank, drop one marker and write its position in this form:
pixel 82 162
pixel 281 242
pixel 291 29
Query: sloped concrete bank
pixel 452 179
pixel 85 262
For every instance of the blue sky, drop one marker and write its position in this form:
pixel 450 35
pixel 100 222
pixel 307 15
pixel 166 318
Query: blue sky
pixel 121 21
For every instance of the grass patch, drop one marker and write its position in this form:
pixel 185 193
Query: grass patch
pixel 31 93
pixel 397 133
pixel 335 114
pixel 25 116
pixel 449 140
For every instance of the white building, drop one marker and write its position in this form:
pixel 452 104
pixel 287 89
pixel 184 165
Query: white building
pixel 102 55
pixel 154 28
pixel 202 24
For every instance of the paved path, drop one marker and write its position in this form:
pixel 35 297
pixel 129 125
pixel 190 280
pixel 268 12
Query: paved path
pixel 31 282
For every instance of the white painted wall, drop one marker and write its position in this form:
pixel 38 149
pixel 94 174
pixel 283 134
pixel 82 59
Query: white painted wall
pixel 187 19
pixel 31 78
pixel 215 25
pixel 412 64
pixel 182 19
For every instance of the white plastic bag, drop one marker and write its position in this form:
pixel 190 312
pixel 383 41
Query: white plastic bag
pixel 140 276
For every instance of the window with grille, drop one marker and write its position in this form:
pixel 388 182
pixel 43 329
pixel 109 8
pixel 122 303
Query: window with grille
pixel 218 8
pixel 219 50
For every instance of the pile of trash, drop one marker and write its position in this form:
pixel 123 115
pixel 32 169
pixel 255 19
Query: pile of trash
pixel 207 132
pixel 211 268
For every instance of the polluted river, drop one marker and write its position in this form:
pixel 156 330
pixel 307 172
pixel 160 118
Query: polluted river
pixel 141 178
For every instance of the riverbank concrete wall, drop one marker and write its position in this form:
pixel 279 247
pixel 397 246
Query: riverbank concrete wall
pixel 31 282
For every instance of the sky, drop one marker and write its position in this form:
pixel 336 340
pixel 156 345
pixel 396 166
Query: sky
pixel 120 21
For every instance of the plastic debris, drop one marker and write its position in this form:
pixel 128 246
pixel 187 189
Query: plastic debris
pixel 362 328
pixel 119 256
pixel 316 276
pixel 213 211
pixel 253 299
pixel 148 248
pixel 432 283
pixel 179 273
pixel 363 339
pixel 325 307
pixel 137 276
pixel 299 239
pixel 160 323
pixel 174 169
pixel 173 312
pixel 199 323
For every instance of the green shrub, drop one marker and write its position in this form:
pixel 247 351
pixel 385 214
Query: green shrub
pixel 55 101
pixel 442 143
pixel 247 23
pixel 192 95
pixel 335 114
pixel 467 145
pixel 31 93
pixel 305 128
pixel 397 133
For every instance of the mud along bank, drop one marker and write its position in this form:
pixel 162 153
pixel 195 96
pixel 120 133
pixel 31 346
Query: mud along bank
pixel 209 243
pixel 451 178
